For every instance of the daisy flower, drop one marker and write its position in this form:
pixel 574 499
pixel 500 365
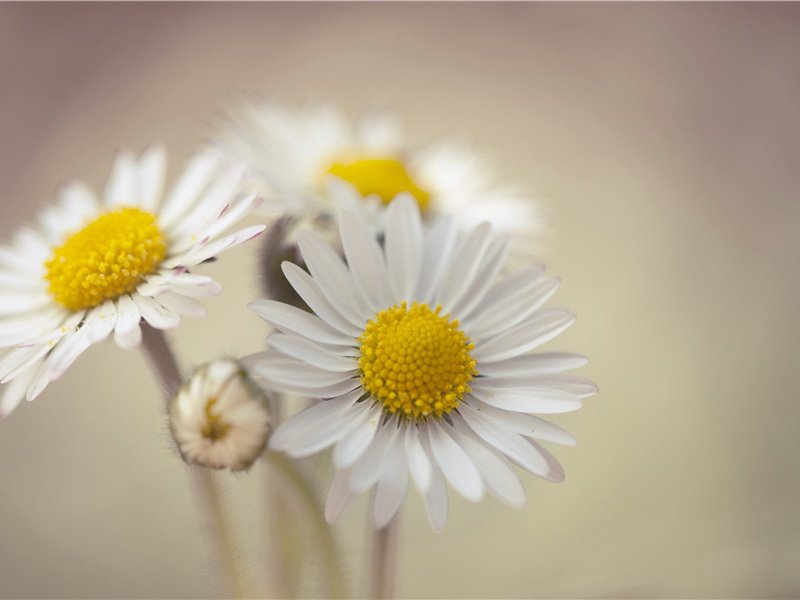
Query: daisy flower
pixel 97 266
pixel 220 418
pixel 319 163
pixel 423 363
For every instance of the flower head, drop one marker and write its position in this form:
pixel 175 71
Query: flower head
pixel 423 361
pixel 97 266
pixel 318 163
pixel 220 417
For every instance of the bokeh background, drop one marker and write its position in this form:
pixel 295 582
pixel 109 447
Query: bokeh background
pixel 663 142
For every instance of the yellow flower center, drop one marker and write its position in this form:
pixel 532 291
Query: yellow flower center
pixel 415 362
pixel 383 177
pixel 215 428
pixel 106 259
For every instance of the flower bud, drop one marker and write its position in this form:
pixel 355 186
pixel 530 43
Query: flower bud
pixel 220 417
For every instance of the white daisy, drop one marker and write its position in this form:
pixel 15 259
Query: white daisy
pixel 423 360
pixel 220 417
pixel 100 266
pixel 319 163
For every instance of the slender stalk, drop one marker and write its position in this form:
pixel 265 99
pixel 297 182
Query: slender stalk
pixel 209 496
pixel 162 360
pixel 165 366
pixel 384 547
pixel 324 536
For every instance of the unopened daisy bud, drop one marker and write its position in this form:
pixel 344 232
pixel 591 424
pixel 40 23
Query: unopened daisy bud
pixel 220 418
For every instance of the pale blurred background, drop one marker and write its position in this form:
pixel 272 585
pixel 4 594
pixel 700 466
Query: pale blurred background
pixel 662 140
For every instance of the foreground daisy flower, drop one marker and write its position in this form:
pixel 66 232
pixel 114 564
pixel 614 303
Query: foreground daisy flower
pixel 318 164
pixel 424 364
pixel 100 266
pixel 220 418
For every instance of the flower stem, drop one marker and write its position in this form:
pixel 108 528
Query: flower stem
pixel 384 548
pixel 209 496
pixel 300 483
pixel 165 366
pixel 162 360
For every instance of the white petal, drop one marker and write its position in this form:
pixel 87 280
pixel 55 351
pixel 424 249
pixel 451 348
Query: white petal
pixel 276 368
pixel 497 474
pixel 340 496
pixel 514 446
pixel 72 346
pixel 209 206
pixel 120 189
pixel 534 364
pixel 542 327
pixel 473 293
pixel 101 321
pixel 12 393
pixel 436 500
pixel 127 332
pixel 324 432
pixel 151 169
pixel 309 291
pixel 22 329
pixel 311 353
pixel 526 400
pixel 209 249
pixel 182 305
pixel 510 302
pixel 233 214
pixel 392 483
pixel 194 179
pixel 576 385
pixel 18 304
pixel 438 250
pixel 332 278
pixel 156 315
pixel 555 472
pixel 367 469
pixel 78 205
pixel 328 410
pixel 403 246
pixel 529 426
pixel 352 446
pixel 294 320
pixel 20 360
pixel 365 260
pixel 465 265
pixel 457 467
pixel 418 461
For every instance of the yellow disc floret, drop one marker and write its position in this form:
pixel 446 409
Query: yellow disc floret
pixel 383 177
pixel 415 362
pixel 106 259
pixel 215 428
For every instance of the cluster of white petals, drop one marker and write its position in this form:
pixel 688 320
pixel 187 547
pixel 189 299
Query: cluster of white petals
pixel 474 446
pixel 44 337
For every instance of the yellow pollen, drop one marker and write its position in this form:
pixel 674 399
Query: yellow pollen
pixel 215 428
pixel 415 362
pixel 383 177
pixel 106 259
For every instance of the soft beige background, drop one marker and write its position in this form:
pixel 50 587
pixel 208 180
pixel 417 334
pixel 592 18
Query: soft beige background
pixel 662 139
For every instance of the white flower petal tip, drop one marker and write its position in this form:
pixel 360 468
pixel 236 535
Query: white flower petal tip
pixel 220 418
pixel 56 295
pixel 318 163
pixel 409 391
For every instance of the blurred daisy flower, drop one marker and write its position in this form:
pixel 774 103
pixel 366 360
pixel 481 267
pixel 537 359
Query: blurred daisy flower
pixel 317 163
pixel 94 267
pixel 220 417
pixel 423 361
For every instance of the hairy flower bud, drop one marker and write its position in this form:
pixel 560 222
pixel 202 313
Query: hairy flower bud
pixel 220 417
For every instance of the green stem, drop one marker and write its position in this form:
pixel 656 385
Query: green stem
pixel 383 552
pixel 289 470
pixel 164 364
pixel 209 496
